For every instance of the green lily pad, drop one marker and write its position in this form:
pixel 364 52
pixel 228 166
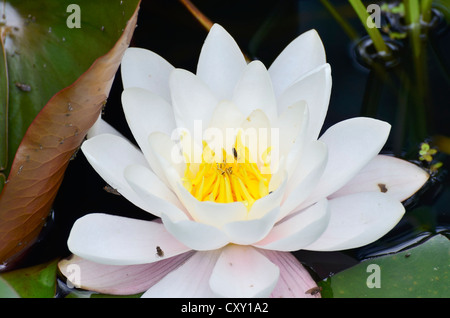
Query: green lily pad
pixel 33 282
pixel 6 290
pixel 419 272
pixel 86 294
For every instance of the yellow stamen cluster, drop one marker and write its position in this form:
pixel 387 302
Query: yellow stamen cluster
pixel 234 178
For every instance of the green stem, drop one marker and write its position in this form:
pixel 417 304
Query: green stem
pixel 442 67
pixel 372 94
pixel 401 115
pixel 374 33
pixel 352 34
pixel 426 10
pixel 412 12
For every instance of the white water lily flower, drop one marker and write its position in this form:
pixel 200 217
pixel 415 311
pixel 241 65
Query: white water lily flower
pixel 229 222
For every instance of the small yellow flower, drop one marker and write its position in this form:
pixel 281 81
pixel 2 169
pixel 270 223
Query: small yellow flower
pixel 426 152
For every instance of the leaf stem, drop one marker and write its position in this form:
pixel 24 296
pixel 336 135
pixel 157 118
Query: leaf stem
pixel 204 21
pixel 374 33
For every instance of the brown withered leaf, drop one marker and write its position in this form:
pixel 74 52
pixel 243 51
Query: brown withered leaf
pixel 45 151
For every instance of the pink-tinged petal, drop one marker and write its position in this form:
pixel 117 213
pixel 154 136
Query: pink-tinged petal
pixel 352 144
pixel 116 240
pixel 295 281
pixel 242 271
pixel 298 230
pixel 145 69
pixel 396 177
pixel 305 177
pixel 151 189
pixel 198 236
pixel 315 89
pixel 254 91
pixel 302 55
pixel 190 280
pixel 357 220
pixel 109 155
pixel 145 113
pixel 221 62
pixel 193 102
pixel 116 279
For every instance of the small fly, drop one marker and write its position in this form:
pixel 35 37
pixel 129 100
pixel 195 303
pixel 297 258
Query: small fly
pixel 235 153
pixel 23 87
pixel 382 187
pixel 159 251
pixel 313 291
pixel 110 189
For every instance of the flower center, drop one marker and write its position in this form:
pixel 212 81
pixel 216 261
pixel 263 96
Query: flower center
pixel 229 178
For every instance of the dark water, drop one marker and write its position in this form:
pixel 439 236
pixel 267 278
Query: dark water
pixel 262 29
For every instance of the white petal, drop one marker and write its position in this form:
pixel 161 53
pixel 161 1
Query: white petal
pixel 190 280
pixel 221 62
pixel 351 145
pixel 226 115
pixel 243 272
pixel 151 189
pixel 396 177
pixel 101 127
pixel 115 240
pixel 145 113
pixel 224 126
pixel 115 279
pixel 254 91
pixel 295 281
pixel 193 102
pixel 257 136
pixel 302 55
pixel 165 159
pixel 269 202
pixel 197 236
pixel 357 220
pixel 298 230
pixel 305 177
pixel 292 125
pixel 315 89
pixel 109 155
pixel 251 231
pixel 145 69
pixel 212 213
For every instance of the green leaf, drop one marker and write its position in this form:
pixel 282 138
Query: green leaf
pixel 419 272
pixel 33 282
pixel 42 53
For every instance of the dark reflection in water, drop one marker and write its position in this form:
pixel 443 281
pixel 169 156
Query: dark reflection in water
pixel 262 29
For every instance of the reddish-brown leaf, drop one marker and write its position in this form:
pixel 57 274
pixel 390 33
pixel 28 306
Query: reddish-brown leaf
pixel 45 151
